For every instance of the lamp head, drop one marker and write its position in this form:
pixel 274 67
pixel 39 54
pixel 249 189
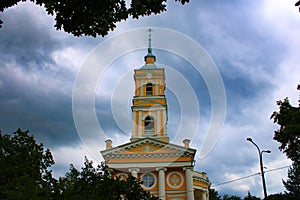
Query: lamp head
pixel 249 139
pixel 267 151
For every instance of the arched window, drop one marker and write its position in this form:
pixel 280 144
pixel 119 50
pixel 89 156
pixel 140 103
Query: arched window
pixel 149 124
pixel 149 89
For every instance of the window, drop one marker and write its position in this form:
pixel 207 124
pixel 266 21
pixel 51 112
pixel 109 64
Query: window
pixel 149 89
pixel 148 180
pixel 149 123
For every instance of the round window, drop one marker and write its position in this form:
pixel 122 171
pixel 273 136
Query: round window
pixel 148 180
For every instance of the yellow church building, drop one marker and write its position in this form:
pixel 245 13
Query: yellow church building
pixel 165 169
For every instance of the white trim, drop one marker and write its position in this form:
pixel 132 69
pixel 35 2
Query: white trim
pixel 141 87
pixel 173 147
pixel 200 188
pixel 144 165
pixel 149 97
pixel 133 124
pixel 164 121
pixel 155 180
pixel 181 180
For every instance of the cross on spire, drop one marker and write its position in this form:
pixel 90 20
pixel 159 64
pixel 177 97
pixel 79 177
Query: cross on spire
pixel 149 58
pixel 149 40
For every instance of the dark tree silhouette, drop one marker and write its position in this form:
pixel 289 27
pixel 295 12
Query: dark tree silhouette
pixel 24 175
pixel 288 135
pixel 93 17
pixel 98 184
pixel 24 165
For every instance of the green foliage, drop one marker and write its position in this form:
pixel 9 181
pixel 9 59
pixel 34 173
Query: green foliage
pixel 93 17
pixel 280 197
pixel 24 175
pixel 233 197
pixel 288 135
pixel 24 165
pixel 250 197
pixel 97 183
pixel 213 194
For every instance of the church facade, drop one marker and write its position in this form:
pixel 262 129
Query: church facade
pixel 165 169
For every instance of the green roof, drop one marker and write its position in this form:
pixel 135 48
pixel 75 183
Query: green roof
pixel 149 66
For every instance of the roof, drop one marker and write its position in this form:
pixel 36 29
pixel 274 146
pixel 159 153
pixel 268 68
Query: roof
pixel 149 148
pixel 149 66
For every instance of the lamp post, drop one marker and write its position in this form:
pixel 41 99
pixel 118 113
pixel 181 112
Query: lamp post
pixel 261 165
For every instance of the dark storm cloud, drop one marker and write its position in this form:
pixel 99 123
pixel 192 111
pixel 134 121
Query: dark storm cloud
pixel 257 63
pixel 47 114
pixel 26 36
pixel 35 94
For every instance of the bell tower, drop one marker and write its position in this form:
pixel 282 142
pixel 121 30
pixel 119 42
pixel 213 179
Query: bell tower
pixel 149 109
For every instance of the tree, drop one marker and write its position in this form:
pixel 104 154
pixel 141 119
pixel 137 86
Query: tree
pixel 97 183
pixel 93 17
pixel 24 175
pixel 24 170
pixel 213 194
pixel 288 135
pixel 250 197
pixel 233 197
pixel 279 197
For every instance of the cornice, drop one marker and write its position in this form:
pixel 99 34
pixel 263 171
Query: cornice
pixel 152 155
pixel 181 150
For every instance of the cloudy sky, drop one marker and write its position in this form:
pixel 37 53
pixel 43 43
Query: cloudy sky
pixel 253 44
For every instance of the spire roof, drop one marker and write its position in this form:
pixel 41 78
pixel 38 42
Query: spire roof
pixel 149 43
pixel 149 58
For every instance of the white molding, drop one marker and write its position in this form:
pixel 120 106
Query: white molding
pixel 155 180
pixel 147 165
pixel 127 146
pixel 181 179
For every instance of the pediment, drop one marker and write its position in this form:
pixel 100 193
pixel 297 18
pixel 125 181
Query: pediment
pixel 148 147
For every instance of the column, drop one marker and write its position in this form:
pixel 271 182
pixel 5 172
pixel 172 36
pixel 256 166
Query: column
pixel 161 183
pixel 204 195
pixel 134 172
pixel 189 183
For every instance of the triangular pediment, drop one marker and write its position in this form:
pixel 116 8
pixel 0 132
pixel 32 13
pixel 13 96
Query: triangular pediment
pixel 148 147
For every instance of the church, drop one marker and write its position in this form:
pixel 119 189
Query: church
pixel 165 169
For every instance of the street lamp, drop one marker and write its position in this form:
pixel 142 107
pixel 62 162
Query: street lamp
pixel 261 165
